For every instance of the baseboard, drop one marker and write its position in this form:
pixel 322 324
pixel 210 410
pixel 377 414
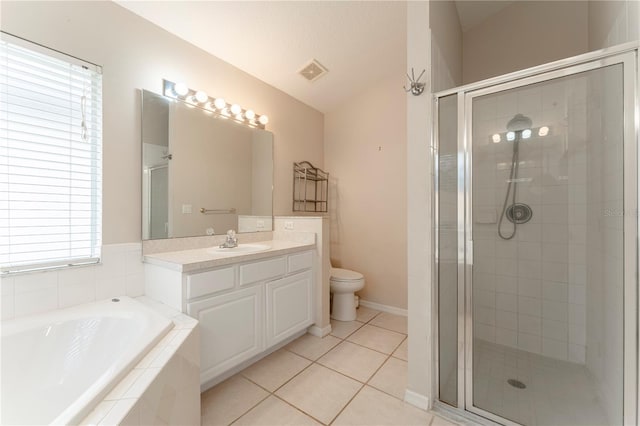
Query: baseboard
pixel 314 330
pixel 383 308
pixel 416 399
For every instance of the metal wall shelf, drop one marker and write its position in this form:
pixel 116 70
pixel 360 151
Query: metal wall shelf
pixel 310 188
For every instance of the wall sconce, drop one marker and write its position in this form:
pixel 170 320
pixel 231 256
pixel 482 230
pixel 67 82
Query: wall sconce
pixel 218 106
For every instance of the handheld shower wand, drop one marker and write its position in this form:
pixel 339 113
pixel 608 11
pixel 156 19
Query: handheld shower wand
pixel 516 213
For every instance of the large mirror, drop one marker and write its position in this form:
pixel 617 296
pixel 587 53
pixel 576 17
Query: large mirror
pixel 201 174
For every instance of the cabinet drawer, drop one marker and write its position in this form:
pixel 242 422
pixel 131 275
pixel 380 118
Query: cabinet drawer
pixel 298 262
pixel 260 271
pixel 210 282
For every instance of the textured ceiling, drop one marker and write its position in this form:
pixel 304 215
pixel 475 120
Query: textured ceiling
pixel 359 42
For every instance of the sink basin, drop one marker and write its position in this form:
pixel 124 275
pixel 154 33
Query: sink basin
pixel 240 249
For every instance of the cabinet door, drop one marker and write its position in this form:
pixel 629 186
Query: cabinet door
pixel 230 329
pixel 289 306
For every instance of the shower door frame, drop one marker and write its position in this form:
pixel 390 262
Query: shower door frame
pixel 627 56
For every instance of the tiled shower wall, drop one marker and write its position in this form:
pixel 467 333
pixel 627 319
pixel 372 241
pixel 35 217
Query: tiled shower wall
pixel 529 292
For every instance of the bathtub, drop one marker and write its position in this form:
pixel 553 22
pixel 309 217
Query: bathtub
pixel 57 366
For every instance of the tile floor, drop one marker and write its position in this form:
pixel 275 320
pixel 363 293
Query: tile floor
pixel 557 392
pixel 355 376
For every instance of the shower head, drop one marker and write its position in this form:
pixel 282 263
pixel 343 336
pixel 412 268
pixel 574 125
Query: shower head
pixel 518 123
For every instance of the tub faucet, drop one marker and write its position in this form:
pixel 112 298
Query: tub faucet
pixel 231 241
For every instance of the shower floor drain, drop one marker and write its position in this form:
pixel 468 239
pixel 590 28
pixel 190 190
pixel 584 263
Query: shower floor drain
pixel 516 383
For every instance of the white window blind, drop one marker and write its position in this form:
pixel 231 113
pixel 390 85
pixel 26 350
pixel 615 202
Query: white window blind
pixel 50 158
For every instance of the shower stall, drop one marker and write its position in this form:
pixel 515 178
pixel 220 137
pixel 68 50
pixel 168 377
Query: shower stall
pixel 536 218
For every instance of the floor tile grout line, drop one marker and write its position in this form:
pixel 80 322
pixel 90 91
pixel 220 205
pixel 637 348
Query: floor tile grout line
pixel 279 397
pixel 299 409
pixel 342 374
pixel 378 369
pixel 250 408
pixel 313 360
pixel 335 371
pixel 294 376
pixel 347 404
pixel 371 349
pixel 363 384
pixel 387 328
pixel 406 338
pixel 389 355
pixel 382 328
pixel 291 378
pixel 376 372
pixel 273 393
pixel 375 350
pixel 343 338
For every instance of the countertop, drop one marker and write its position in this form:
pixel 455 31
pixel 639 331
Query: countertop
pixel 202 258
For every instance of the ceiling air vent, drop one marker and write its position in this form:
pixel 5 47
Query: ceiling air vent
pixel 313 70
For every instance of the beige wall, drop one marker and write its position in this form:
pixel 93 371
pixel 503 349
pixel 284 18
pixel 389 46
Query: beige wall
pixel 613 22
pixel 365 154
pixel 446 45
pixel 420 389
pixel 523 35
pixel 136 54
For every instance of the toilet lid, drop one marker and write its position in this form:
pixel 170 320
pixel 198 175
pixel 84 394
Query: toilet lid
pixel 339 274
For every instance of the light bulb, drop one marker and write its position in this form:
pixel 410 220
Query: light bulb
pixel 511 136
pixel 526 133
pixel 201 96
pixel 180 89
pixel 263 119
pixel 219 103
pixel 544 131
pixel 236 109
pixel 250 114
pixel 496 138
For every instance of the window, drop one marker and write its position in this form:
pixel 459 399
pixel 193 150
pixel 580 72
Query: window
pixel 50 158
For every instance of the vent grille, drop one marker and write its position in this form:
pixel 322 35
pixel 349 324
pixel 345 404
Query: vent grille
pixel 313 70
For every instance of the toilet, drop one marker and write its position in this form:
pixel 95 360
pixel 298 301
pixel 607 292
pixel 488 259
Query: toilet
pixel 344 283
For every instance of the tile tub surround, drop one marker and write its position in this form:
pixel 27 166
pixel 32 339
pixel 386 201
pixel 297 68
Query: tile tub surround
pixel 164 387
pixel 78 353
pixel 120 272
pixel 329 380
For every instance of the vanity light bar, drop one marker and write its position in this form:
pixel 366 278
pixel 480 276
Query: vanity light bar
pixel 217 106
pixel 526 134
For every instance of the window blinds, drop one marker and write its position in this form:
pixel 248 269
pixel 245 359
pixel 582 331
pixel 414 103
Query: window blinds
pixel 50 158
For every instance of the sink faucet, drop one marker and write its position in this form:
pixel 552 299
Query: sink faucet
pixel 231 241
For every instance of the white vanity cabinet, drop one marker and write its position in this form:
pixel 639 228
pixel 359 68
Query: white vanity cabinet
pixel 244 308
pixel 230 329
pixel 289 306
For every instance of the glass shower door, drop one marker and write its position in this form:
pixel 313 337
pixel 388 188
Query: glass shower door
pixel 551 202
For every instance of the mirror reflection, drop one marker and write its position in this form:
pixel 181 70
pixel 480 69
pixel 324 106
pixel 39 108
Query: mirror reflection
pixel 202 175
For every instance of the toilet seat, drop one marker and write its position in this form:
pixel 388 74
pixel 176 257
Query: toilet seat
pixel 345 275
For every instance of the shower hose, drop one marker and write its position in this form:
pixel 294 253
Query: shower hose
pixel 512 183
